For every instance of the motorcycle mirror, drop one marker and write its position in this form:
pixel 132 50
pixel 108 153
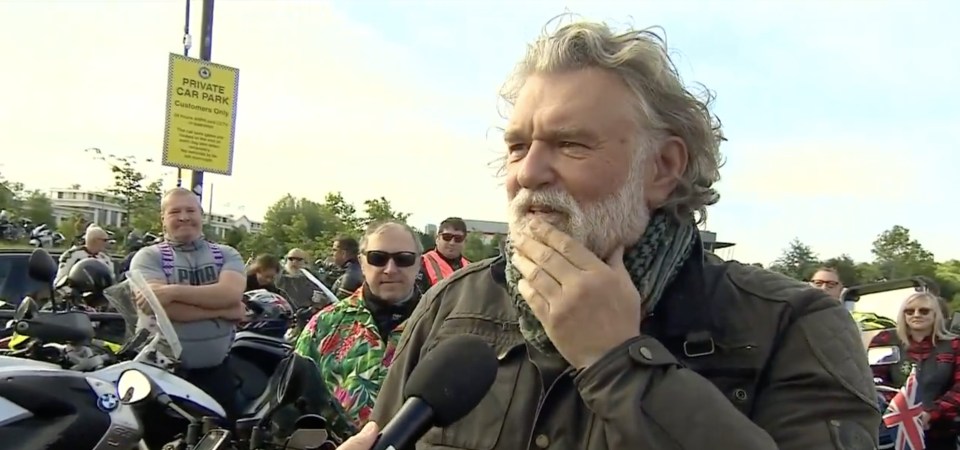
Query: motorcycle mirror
pixel 26 309
pixel 134 387
pixel 883 356
pixel 41 266
pixel 311 430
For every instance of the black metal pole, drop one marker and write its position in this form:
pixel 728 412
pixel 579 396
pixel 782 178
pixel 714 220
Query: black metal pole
pixel 206 47
pixel 187 43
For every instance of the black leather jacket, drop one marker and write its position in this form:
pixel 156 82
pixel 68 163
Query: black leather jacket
pixel 350 281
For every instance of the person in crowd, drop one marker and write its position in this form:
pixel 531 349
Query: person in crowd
pixel 94 246
pixel 827 279
pixel 200 285
pixel 354 341
pixel 936 353
pixel 611 328
pixel 447 257
pixel 292 280
pixel 262 274
pixel 345 255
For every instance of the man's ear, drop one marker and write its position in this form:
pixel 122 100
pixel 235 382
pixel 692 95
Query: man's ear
pixel 664 170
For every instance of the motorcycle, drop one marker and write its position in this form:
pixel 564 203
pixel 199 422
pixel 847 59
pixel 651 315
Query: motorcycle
pixel 53 406
pixel 43 237
pixel 885 356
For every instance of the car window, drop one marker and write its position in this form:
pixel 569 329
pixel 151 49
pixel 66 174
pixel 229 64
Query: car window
pixel 14 282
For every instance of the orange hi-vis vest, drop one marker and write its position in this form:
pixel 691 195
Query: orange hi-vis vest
pixel 437 268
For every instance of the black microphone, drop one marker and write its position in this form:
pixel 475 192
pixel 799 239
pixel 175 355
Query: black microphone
pixel 445 386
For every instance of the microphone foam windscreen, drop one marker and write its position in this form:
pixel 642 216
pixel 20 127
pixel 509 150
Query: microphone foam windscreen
pixel 453 377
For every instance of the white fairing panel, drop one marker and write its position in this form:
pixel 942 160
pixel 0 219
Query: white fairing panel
pixel 171 384
pixel 11 412
pixel 124 431
pixel 10 362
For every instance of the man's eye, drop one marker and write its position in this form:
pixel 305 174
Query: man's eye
pixel 517 147
pixel 569 144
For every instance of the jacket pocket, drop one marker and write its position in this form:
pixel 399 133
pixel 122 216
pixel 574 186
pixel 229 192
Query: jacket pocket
pixel 481 428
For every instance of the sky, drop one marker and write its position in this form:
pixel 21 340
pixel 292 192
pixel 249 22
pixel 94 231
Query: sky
pixel 841 115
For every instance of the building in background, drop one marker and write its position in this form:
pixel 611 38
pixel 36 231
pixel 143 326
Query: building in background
pixel 97 207
pixel 711 244
pixel 104 210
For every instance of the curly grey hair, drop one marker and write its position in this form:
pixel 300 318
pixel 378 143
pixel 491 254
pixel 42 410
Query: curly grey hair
pixel 664 106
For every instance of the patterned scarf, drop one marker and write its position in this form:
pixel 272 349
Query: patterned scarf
pixel 653 263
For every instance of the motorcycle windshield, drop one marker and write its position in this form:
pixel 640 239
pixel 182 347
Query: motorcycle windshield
pixel 123 301
pixel 143 313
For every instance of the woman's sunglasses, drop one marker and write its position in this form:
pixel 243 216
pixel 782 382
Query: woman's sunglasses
pixel 379 258
pixel 916 311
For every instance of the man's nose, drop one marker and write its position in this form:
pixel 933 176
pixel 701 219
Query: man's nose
pixel 391 267
pixel 536 167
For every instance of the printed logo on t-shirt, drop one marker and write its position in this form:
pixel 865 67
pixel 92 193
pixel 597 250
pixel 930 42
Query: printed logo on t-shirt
pixel 200 276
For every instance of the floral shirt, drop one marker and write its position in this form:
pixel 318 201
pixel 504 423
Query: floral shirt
pixel 352 356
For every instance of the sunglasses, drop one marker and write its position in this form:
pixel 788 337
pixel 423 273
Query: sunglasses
pixel 822 283
pixel 917 311
pixel 458 238
pixel 294 258
pixel 379 258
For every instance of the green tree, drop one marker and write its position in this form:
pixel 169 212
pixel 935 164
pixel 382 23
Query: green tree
pixel 846 268
pixel 897 255
pixel 37 207
pixel 797 261
pixel 138 196
pixel 293 222
pixel 235 237
pixel 379 209
pixel 345 213
pixel 474 248
pixel 948 277
pixel 145 214
pixel 11 196
pixel 73 227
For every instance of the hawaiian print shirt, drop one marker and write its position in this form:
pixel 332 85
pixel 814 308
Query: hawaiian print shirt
pixel 352 356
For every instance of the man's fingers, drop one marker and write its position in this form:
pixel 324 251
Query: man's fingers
pixel 539 279
pixel 363 440
pixel 545 257
pixel 538 303
pixel 578 255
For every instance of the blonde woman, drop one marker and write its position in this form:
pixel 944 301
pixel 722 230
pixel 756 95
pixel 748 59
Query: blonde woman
pixel 922 327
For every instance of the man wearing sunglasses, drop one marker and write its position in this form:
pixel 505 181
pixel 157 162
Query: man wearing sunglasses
pixel 447 257
pixel 292 281
pixel 353 341
pixel 94 246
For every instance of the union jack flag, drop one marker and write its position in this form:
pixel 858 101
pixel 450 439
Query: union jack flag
pixel 903 414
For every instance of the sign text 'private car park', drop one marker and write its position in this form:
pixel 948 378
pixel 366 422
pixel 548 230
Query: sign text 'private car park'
pixel 201 115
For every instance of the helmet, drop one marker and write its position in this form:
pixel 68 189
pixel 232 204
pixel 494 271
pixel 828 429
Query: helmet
pixel 267 313
pixel 90 277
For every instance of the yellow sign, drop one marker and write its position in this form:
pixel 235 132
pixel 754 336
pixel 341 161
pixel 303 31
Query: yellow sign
pixel 201 115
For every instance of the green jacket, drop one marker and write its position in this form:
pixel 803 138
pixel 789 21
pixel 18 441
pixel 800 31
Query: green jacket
pixel 772 365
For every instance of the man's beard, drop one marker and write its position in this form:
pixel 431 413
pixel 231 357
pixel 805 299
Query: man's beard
pixel 602 226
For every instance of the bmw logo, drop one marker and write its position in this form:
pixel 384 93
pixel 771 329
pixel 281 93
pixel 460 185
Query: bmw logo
pixel 108 402
pixel 204 73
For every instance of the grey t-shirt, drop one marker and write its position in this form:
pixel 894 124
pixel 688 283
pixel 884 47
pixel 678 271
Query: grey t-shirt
pixel 206 342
